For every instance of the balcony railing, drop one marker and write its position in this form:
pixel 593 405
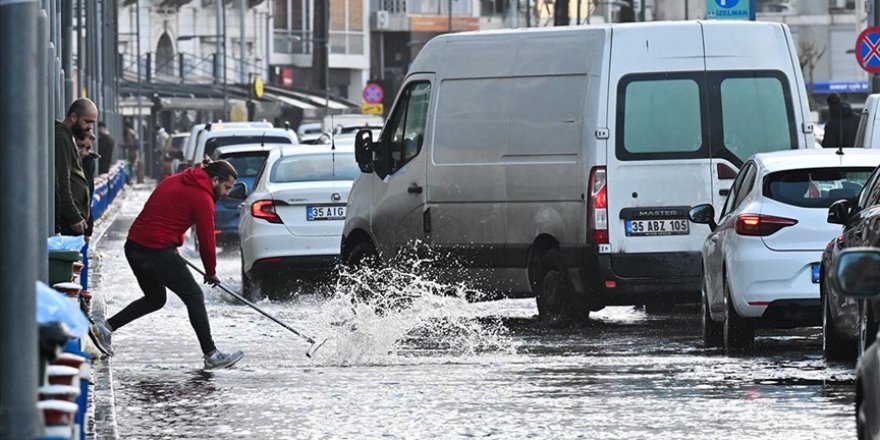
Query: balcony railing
pixel 423 7
pixel 300 42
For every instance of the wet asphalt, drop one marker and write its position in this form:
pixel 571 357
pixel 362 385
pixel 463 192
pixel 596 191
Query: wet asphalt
pixel 448 368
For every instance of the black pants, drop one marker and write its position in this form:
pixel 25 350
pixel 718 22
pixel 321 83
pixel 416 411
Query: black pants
pixel 155 270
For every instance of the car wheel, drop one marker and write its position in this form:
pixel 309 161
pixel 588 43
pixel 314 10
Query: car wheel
pixel 248 290
pixel 713 332
pixel 834 347
pixel 556 297
pixel 739 332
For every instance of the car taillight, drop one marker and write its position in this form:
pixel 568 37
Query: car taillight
pixel 265 209
pixel 761 225
pixel 597 207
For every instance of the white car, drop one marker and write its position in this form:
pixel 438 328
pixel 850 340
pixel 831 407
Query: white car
pixel 761 260
pixel 291 224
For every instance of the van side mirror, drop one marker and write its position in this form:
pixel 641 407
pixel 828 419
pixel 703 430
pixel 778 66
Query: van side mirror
pixel 703 214
pixel 857 273
pixel 238 191
pixel 839 212
pixel 363 150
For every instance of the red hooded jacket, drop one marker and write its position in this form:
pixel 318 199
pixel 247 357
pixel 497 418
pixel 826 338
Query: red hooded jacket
pixel 178 202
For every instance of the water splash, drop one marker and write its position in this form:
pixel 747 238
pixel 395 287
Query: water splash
pixel 400 312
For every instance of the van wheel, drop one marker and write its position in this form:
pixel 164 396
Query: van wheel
pixel 713 332
pixel 556 298
pixel 362 254
pixel 834 347
pixel 739 332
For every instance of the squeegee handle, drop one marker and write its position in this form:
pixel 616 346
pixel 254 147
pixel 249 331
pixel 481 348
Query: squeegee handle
pixel 252 305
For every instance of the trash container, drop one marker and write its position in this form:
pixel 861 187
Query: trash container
pixel 61 265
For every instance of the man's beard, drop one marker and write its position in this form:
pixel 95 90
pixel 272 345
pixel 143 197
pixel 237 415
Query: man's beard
pixel 218 192
pixel 78 131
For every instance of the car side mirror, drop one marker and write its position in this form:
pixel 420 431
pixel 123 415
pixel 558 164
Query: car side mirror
pixel 703 214
pixel 857 273
pixel 363 150
pixel 839 212
pixel 238 191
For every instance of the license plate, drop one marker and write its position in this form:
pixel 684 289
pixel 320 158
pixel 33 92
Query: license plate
pixel 636 228
pixel 325 213
pixel 815 269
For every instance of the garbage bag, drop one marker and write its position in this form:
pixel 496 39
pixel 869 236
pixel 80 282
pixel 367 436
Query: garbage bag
pixel 66 243
pixel 54 306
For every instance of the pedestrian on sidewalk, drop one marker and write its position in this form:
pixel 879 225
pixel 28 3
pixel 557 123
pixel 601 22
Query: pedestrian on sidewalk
pixel 179 202
pixel 842 125
pixel 72 189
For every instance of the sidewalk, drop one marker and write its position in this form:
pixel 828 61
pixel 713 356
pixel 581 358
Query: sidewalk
pixel 102 421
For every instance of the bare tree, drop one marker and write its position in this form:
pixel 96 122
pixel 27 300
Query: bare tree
pixel 808 56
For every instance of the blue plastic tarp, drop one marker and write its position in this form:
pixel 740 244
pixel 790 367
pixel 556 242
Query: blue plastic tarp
pixel 54 306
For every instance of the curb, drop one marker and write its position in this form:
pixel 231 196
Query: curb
pixel 101 416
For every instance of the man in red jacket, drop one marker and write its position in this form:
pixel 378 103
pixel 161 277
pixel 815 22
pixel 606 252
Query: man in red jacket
pixel 178 202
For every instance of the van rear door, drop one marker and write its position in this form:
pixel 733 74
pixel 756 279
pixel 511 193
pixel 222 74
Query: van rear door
pixel 756 102
pixel 658 151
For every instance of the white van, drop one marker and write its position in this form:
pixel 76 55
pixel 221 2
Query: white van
pixel 196 133
pixel 562 162
pixel 868 135
pixel 212 138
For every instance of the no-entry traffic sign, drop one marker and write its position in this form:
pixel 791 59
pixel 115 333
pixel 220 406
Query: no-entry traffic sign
pixel 373 93
pixel 868 49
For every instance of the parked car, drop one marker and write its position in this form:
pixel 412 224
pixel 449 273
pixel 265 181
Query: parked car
pixel 561 163
pixel 291 223
pixel 842 338
pixel 196 135
pixel 855 272
pixel 308 131
pixel 215 138
pixel 868 135
pixel 172 153
pixel 248 160
pixel 761 260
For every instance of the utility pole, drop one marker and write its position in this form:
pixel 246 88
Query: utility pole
pixel 18 227
pixel 321 50
pixel 450 16
pixel 242 75
pixel 137 32
pixel 874 20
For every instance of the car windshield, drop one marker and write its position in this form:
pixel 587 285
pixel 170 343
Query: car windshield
pixel 816 187
pixel 246 164
pixel 314 168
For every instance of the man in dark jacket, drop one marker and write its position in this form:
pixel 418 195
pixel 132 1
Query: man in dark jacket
pixel 72 188
pixel 178 202
pixel 842 125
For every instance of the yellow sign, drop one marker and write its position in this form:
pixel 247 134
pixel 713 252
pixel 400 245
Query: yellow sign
pixel 258 87
pixel 372 109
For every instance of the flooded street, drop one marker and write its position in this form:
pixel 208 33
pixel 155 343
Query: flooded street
pixel 442 367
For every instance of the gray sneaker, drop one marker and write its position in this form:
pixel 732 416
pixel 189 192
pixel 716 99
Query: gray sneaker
pixel 221 360
pixel 100 335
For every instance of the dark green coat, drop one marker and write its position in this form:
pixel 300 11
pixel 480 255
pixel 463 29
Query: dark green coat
pixel 72 200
